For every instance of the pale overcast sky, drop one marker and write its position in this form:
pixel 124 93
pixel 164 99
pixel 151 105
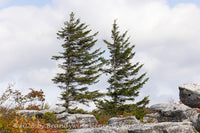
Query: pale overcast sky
pixel 165 32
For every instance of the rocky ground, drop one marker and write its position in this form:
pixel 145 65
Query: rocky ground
pixel 169 117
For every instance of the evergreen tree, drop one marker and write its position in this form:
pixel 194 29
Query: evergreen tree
pixel 81 63
pixel 125 80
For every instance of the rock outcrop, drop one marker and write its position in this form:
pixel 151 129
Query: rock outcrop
pixel 190 95
pixel 164 127
pixel 151 118
pixel 30 113
pixel 101 130
pixel 71 120
pixel 171 112
pixel 83 120
pixel 196 122
pixel 56 110
pixel 168 117
pixel 114 121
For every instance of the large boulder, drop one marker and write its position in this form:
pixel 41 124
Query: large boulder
pixel 114 121
pixel 171 112
pixel 190 95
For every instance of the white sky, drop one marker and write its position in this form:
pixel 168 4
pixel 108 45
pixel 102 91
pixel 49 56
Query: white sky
pixel 166 36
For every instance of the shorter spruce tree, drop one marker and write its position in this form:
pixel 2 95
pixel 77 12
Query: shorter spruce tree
pixel 125 80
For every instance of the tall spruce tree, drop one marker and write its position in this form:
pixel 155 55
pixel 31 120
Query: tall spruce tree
pixel 80 63
pixel 126 80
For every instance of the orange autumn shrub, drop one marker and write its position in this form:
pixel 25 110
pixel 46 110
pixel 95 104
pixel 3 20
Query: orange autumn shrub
pixel 198 110
pixel 101 117
pixel 33 100
pixel 11 122
pixel 21 124
pixel 15 123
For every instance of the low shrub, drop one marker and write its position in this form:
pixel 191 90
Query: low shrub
pixel 21 124
pixel 11 122
pixel 101 117
pixel 49 117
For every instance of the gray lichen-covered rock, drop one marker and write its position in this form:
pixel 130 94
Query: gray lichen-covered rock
pixel 84 120
pixel 30 113
pixel 57 110
pixel 163 127
pixel 151 118
pixel 62 116
pixel 196 122
pixel 170 112
pixel 101 130
pixel 190 95
pixel 114 121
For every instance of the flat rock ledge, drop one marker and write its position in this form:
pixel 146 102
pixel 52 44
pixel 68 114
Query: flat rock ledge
pixel 164 127
pixel 114 121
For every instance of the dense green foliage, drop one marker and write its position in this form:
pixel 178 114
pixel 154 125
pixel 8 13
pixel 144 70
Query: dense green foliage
pixel 49 117
pixel 80 63
pixel 125 80
pixel 78 111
